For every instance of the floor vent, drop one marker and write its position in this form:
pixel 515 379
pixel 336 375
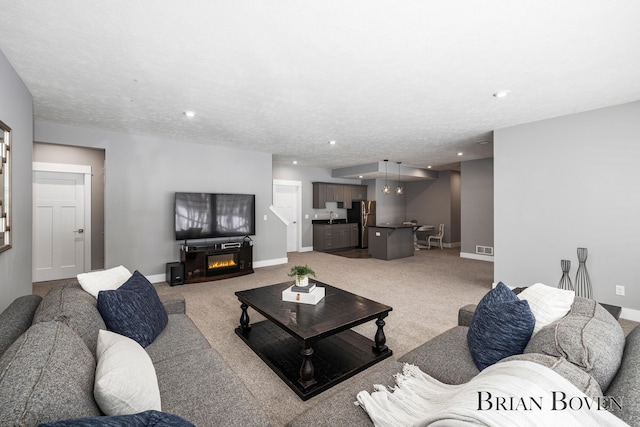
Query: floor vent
pixel 484 250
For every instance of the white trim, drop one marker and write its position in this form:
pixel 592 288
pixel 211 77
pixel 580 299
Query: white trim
pixel 270 262
pixel 61 167
pixel 630 314
pixel 287 182
pixel 420 247
pixel 625 313
pixel 87 220
pixel 157 278
pixel 77 169
pixel 476 256
pixel 307 249
pixel 278 215
pixel 297 184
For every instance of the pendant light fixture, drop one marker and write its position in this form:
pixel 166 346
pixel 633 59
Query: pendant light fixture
pixel 386 189
pixel 399 189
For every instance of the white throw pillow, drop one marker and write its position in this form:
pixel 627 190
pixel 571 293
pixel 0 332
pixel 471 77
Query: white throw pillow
pixel 103 280
pixel 547 303
pixel 126 381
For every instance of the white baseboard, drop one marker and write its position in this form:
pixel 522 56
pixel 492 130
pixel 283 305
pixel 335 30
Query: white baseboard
pixel 270 262
pixel 479 257
pixel 436 245
pixel 307 249
pixel 630 314
pixel 626 313
pixel 157 278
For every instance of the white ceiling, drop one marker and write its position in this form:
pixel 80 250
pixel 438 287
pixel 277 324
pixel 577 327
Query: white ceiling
pixel 408 81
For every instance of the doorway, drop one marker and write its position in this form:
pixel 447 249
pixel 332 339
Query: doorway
pixel 61 221
pixel 287 201
pixel 96 158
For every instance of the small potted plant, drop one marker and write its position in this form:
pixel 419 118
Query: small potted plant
pixel 301 273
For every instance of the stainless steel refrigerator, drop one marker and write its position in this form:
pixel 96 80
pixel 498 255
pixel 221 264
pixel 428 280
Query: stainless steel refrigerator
pixel 364 213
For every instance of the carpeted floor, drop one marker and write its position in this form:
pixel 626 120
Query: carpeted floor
pixel 425 292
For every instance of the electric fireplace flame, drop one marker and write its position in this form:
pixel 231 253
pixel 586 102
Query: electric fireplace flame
pixel 222 264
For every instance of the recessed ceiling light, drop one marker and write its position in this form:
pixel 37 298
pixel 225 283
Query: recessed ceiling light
pixel 190 114
pixel 332 142
pixel 428 167
pixel 501 93
pixel 295 162
pixel 460 153
pixel 360 176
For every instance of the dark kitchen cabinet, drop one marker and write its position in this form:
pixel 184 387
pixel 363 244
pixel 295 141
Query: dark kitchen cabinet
pixel 358 192
pixel 335 193
pixel 342 193
pixel 327 237
pixel 319 195
pixel 322 237
pixel 347 204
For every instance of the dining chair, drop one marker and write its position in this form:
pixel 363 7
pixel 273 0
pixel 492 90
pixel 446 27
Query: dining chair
pixel 438 236
pixel 421 235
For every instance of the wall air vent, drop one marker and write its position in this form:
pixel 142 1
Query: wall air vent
pixel 484 250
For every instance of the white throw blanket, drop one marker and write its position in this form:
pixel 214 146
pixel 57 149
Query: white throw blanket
pixel 513 393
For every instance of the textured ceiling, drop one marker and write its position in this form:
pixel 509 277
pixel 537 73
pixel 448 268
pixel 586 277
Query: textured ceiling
pixel 408 81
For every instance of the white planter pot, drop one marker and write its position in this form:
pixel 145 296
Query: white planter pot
pixel 302 281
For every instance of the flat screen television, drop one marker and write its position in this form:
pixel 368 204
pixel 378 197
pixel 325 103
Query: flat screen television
pixel 207 215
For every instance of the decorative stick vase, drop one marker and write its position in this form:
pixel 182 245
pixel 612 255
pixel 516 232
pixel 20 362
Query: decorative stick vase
pixel 583 282
pixel 565 280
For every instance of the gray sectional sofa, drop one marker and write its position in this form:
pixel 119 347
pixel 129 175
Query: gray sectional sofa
pixel 48 362
pixel 447 358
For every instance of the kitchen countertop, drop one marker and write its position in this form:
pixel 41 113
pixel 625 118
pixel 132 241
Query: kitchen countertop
pixel 326 221
pixel 392 226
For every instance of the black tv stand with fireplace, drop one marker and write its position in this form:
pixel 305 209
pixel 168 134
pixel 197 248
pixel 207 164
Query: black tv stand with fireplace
pixel 204 263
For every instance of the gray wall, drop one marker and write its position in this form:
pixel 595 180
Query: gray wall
pixel 308 175
pixel 476 221
pixel 437 202
pixel 456 207
pixel 390 208
pixel 565 183
pixel 431 202
pixel 53 153
pixel 141 175
pixel 17 113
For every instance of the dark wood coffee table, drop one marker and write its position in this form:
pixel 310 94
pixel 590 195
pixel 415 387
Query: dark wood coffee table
pixel 312 347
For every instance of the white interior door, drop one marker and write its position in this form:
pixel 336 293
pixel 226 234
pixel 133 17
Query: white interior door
pixel 286 199
pixel 61 224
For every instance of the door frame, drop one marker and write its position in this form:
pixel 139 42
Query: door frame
pixel 75 169
pixel 298 185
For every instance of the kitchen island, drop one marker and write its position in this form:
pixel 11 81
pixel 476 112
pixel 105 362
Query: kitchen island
pixel 391 241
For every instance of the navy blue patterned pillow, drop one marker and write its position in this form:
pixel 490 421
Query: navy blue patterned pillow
pixel 501 326
pixel 134 310
pixel 143 419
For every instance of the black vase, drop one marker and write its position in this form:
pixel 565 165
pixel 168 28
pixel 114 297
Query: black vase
pixel 565 280
pixel 583 282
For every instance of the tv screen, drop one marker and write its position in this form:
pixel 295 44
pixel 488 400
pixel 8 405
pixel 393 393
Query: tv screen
pixel 204 215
